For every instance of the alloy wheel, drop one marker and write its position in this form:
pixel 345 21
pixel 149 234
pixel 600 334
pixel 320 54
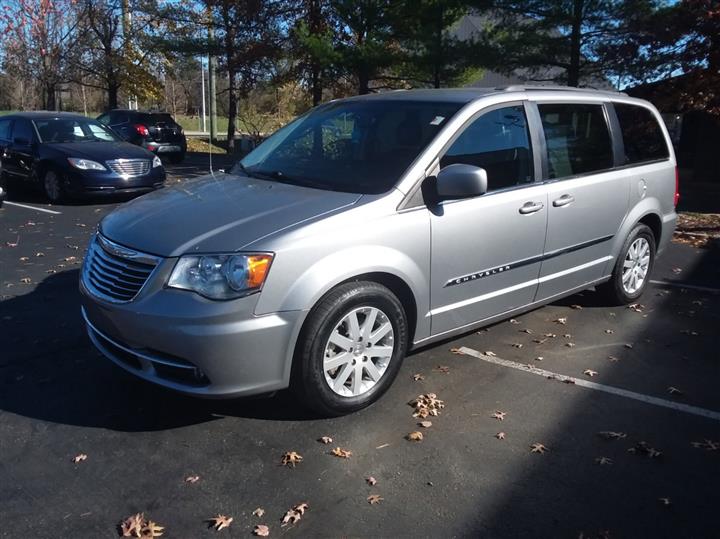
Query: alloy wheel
pixel 636 265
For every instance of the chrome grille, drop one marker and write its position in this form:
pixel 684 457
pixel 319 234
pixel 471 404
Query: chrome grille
pixel 129 167
pixel 114 272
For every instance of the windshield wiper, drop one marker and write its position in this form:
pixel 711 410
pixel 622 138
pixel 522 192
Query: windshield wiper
pixel 280 176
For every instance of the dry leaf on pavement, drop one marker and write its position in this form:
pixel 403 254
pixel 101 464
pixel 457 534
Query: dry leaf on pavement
pixel 497 414
pixel 603 461
pixel 674 391
pixel 590 372
pixel 192 479
pixel 219 522
pixel 500 436
pixel 132 526
pixel 291 458
pixel 490 353
pixel 426 405
pixel 425 424
pixel 643 448
pixel 538 448
pixel 79 458
pixel 342 453
pixel 152 529
pixel 706 444
pixel 261 530
pixel 516 345
pixel 457 351
pixel 325 440
pixel 577 307
pixel 442 368
pixel 562 321
pixel 294 514
pixel 611 435
pixel 371 481
pixel 418 377
pixel 259 512
pixel 415 436
pixel 374 499
pixel 664 501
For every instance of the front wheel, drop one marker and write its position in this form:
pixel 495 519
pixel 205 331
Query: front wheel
pixel 632 268
pixel 351 348
pixel 53 187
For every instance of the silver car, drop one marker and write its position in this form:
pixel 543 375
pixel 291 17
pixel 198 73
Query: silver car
pixel 373 225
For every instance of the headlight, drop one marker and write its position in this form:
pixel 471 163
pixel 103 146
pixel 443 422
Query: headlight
pixel 221 276
pixel 156 162
pixel 85 164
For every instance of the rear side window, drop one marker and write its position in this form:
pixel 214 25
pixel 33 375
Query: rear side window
pixel 642 136
pixel 22 129
pixel 497 141
pixel 577 139
pixel 4 129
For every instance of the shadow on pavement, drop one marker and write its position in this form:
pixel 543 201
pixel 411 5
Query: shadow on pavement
pixel 50 371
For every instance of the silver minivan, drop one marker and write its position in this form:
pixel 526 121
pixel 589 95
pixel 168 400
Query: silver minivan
pixel 376 224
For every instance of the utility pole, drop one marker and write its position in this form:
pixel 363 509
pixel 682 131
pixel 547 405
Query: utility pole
pixel 202 82
pixel 212 68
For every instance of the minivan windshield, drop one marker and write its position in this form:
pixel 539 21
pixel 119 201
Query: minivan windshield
pixel 73 130
pixel 360 146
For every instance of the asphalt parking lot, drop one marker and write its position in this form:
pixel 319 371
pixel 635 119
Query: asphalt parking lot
pixel 647 377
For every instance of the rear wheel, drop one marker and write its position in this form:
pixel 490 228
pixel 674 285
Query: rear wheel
pixel 632 268
pixel 351 348
pixel 53 186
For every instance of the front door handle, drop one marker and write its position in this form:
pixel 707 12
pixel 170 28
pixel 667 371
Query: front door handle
pixel 563 201
pixel 531 207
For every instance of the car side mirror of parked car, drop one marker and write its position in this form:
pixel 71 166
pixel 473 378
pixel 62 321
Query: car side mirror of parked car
pixel 461 181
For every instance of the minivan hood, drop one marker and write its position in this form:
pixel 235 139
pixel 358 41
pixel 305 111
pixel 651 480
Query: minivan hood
pixel 223 213
pixel 101 150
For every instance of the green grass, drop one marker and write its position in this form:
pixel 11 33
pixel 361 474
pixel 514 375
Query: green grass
pixel 195 124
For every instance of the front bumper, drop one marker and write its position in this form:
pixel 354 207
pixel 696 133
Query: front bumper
pixel 108 183
pixel 196 346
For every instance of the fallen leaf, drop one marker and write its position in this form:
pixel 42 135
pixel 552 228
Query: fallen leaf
pixel 132 526
pixel 664 501
pixel 490 353
pixel 709 445
pixel 371 481
pixel 383 446
pixel 418 377
pixel 15 243
pixel 425 424
pixel 426 405
pixel 442 368
pixel 457 351
pixel 79 458
pixel 500 436
pixel 539 341
pixel 261 530
pixel 642 448
pixel 325 440
pixel 612 435
pixel 38 254
pixel 603 461
pixel 291 458
pixel 415 436
pixel 513 321
pixel 539 358
pixel 497 414
pixel 549 335
pixel 294 514
pixel 24 258
pixel 219 522
pixel 516 345
pixel 152 529
pixel 342 453
pixel 637 307
pixel 609 331
pixel 590 372
pixel 628 346
pixel 259 512
pixel 677 271
pixel 570 344
pixel 538 448
pixel 674 391
pixel 562 321
pixel 527 330
pixel 567 336
pixel 613 359
pixel 374 499
pixel 192 479
pixel 26 280
pixel 577 307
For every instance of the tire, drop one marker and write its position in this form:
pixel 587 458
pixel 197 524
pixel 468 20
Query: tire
pixel 332 317
pixel 615 290
pixel 52 185
pixel 176 158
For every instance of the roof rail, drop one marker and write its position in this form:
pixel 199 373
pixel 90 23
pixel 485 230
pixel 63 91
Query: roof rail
pixel 523 87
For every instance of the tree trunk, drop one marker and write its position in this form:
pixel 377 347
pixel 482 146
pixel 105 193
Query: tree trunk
pixel 232 111
pixel 49 101
pixel 113 89
pixel 573 74
pixel 363 81
pixel 438 63
pixel 316 85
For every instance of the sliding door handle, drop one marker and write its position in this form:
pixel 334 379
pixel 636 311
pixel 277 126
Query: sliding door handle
pixel 531 207
pixel 563 201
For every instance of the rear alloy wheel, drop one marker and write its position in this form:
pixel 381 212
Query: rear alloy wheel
pixel 52 185
pixel 632 267
pixel 351 348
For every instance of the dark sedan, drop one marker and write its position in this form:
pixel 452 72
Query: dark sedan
pixel 70 155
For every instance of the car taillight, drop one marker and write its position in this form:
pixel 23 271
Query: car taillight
pixel 677 186
pixel 141 130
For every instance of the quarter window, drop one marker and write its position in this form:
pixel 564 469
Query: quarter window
pixel 497 141
pixel 577 139
pixel 642 137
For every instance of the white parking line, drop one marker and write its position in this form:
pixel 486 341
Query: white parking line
pixel 32 208
pixel 688 286
pixel 592 385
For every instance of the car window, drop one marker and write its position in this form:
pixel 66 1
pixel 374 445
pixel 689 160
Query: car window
pixel 58 130
pixel 499 142
pixel 642 136
pixel 118 118
pixel 577 139
pixel 22 129
pixel 360 146
pixel 104 119
pixel 4 129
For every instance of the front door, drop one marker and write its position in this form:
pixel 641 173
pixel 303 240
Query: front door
pixel 487 250
pixel 587 200
pixel 19 154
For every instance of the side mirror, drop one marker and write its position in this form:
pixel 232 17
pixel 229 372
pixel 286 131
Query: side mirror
pixel 461 181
